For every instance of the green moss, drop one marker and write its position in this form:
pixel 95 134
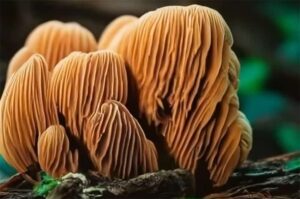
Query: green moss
pixel 292 165
pixel 46 185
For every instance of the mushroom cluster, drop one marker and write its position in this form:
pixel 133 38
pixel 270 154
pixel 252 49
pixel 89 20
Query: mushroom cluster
pixel 54 40
pixel 45 111
pixel 59 104
pixel 186 76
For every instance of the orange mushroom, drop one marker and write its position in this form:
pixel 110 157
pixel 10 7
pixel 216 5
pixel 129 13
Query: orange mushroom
pixel 55 156
pixel 117 144
pixel 54 40
pixel 113 29
pixel 81 82
pixel 18 59
pixel 187 79
pixel 24 113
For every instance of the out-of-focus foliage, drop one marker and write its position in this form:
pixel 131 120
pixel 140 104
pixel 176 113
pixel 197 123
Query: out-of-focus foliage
pixel 287 21
pixel 5 169
pixel 288 136
pixel 263 105
pixel 269 85
pixel 284 16
pixel 253 75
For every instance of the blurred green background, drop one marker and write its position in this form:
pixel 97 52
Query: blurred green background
pixel 267 42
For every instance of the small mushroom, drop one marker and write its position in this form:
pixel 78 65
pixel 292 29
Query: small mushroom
pixel 82 82
pixel 117 144
pixel 24 113
pixel 54 40
pixel 114 28
pixel 19 58
pixel 187 80
pixel 55 156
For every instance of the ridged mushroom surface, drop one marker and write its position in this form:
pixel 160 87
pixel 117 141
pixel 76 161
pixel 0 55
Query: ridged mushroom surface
pixel 55 156
pixel 117 144
pixel 24 113
pixel 114 28
pixel 82 82
pixel 187 79
pixel 18 59
pixel 54 40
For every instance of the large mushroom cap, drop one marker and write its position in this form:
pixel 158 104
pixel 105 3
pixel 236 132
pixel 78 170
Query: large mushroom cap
pixel 111 31
pixel 24 113
pixel 168 56
pixel 55 40
pixel 54 153
pixel 117 144
pixel 187 79
pixel 82 82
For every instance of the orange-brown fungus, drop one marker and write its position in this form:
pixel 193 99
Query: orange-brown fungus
pixel 24 113
pixel 81 82
pixel 19 58
pixel 54 40
pixel 111 31
pixel 117 144
pixel 187 79
pixel 55 156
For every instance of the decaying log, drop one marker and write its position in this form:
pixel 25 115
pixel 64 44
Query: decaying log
pixel 275 177
pixel 173 183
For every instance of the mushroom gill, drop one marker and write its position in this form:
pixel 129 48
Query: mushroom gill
pixel 187 79
pixel 55 156
pixel 111 31
pixel 81 82
pixel 117 144
pixel 18 59
pixel 54 40
pixel 24 113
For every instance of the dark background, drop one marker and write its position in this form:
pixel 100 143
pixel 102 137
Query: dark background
pixel 267 42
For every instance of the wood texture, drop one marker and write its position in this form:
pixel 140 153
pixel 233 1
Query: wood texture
pixel 274 177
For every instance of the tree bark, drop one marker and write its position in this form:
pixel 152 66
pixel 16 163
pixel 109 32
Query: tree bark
pixel 275 177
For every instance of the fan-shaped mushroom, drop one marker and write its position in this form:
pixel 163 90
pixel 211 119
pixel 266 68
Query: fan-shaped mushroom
pixel 54 40
pixel 55 156
pixel 187 78
pixel 82 82
pixel 24 113
pixel 117 144
pixel 114 28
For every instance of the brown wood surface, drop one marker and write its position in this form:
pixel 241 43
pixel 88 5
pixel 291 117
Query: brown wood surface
pixel 274 177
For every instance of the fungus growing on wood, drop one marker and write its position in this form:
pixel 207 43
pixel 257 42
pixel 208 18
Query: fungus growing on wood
pixel 24 113
pixel 54 40
pixel 113 29
pixel 81 82
pixel 55 156
pixel 117 144
pixel 187 79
